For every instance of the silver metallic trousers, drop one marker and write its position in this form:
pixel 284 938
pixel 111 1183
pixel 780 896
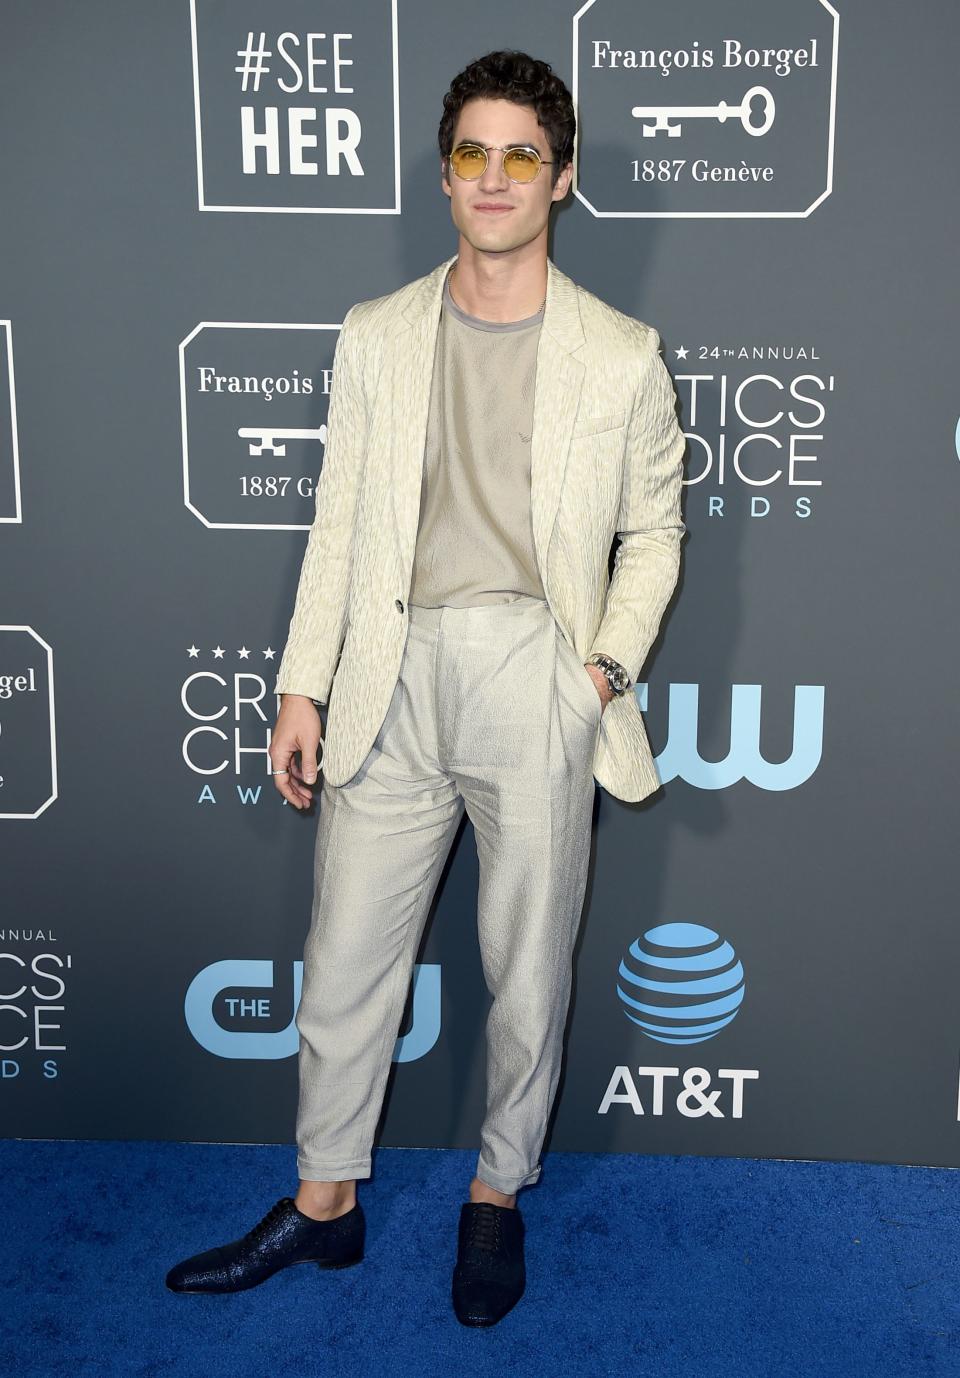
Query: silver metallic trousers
pixel 494 712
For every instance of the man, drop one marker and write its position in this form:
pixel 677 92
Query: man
pixel 492 427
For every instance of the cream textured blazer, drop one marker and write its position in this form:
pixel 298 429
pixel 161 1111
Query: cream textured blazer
pixel 606 459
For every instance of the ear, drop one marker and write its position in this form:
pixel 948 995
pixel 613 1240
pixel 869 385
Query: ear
pixel 563 182
pixel 445 177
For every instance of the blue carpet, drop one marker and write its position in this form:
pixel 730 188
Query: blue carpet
pixel 636 1266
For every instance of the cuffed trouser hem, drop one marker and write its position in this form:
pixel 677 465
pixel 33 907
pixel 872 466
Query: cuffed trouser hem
pixel 343 1172
pixel 500 1182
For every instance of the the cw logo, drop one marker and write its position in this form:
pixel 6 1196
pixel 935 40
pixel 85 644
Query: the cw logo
pixel 240 976
pixel 743 761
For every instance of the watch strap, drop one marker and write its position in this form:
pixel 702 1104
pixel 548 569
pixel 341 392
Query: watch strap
pixel 611 668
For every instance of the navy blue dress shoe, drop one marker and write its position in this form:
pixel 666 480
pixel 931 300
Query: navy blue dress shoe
pixel 284 1236
pixel 490 1273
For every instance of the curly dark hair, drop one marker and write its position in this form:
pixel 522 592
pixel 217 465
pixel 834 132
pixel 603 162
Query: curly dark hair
pixel 511 75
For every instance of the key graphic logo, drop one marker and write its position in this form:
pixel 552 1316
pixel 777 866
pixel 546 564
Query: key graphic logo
pixel 667 118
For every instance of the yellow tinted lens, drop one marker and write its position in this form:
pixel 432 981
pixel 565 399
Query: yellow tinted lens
pixel 521 164
pixel 468 161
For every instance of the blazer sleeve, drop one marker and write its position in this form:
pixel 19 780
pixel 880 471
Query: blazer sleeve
pixel 316 629
pixel 649 525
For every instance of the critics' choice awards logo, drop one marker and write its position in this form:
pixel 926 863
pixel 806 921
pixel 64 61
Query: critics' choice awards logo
pixel 253 403
pixel 296 106
pixel 703 109
pixel 230 708
pixel 238 1008
pixel 33 991
pixel 680 983
pixel 9 445
pixel 756 421
pixel 28 740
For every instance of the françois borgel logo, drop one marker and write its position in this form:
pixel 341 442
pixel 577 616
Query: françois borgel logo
pixel 702 109
pixel 253 407
pixel 297 106
pixel 28 745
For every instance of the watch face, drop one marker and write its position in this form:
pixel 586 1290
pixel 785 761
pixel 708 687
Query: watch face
pixel 620 680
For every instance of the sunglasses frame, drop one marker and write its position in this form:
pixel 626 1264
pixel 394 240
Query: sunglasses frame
pixel 487 149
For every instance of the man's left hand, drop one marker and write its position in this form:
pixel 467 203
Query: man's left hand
pixel 603 688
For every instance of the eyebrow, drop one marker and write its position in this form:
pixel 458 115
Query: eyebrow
pixel 513 143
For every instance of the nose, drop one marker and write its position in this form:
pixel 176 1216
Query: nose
pixel 494 178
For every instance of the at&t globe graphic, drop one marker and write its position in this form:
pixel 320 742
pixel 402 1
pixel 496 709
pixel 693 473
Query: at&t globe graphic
pixel 681 983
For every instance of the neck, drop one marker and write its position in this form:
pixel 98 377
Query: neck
pixel 506 286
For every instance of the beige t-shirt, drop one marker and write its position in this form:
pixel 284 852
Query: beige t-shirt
pixel 475 537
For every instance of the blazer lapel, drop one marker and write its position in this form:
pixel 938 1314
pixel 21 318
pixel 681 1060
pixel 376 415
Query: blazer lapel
pixel 556 398
pixel 409 362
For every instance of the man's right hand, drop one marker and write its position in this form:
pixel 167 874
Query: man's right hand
pixel 297 729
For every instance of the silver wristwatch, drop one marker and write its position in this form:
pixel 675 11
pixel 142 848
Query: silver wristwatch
pixel 617 677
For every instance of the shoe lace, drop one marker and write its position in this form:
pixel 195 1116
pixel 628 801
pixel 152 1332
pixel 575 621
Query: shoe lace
pixel 263 1226
pixel 485 1229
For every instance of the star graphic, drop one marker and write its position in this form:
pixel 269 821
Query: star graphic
pixel 218 652
pixel 681 353
pixel 243 653
pixel 193 652
pixel 269 653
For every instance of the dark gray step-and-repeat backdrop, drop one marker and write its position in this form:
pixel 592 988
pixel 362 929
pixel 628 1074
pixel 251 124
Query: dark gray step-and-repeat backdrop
pixel 193 195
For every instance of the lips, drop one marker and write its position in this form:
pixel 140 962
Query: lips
pixel 493 209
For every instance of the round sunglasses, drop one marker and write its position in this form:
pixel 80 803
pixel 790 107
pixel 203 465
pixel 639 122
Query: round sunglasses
pixel 521 163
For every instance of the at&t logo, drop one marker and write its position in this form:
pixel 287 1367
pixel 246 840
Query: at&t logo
pixel 681 983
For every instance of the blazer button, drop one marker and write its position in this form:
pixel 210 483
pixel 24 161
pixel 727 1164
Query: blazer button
pixel 398 604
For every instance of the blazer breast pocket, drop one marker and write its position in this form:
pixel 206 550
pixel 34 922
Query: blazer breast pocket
pixel 594 425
